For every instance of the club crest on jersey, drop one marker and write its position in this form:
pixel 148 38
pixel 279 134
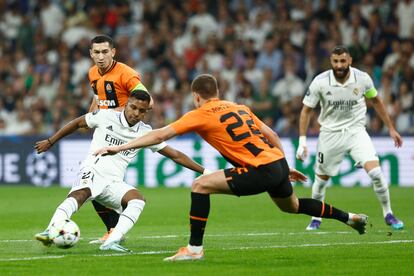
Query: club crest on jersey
pixel 355 91
pixel 108 88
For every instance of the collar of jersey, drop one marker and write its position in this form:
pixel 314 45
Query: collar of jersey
pixel 124 122
pixel 351 79
pixel 114 62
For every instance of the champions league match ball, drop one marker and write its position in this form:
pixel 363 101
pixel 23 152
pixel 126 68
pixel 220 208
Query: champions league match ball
pixel 65 234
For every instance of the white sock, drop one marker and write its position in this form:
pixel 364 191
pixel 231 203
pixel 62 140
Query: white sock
pixel 126 220
pixel 195 249
pixel 380 186
pixel 318 191
pixel 64 211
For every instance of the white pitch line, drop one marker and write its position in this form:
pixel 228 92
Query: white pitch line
pixel 262 247
pixel 5 241
pixel 224 249
pixel 250 234
pixel 318 244
pixel 228 235
pixel 32 258
pixel 135 253
pixel 263 234
pixel 16 241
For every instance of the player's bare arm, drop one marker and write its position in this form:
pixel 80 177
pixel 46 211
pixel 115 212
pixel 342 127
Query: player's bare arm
pixel 271 136
pixel 72 126
pixel 182 159
pixel 151 138
pixel 382 112
pixel 302 151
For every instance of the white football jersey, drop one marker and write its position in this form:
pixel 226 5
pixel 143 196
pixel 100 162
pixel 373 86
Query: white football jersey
pixel 342 105
pixel 111 128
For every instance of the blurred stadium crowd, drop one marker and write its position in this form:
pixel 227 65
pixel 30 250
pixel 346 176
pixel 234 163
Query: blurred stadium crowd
pixel 264 54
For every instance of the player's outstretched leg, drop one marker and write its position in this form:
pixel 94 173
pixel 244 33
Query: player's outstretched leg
pixel 110 219
pixel 64 211
pixel 126 221
pixel 314 207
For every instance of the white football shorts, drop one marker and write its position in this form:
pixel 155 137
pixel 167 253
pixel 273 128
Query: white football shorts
pixel 106 191
pixel 332 147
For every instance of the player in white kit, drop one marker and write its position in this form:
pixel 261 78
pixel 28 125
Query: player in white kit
pixel 102 178
pixel 341 93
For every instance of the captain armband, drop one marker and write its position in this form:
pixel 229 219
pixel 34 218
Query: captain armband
pixel 371 93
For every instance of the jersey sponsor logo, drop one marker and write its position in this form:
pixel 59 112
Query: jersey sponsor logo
pixel 329 93
pixel 109 128
pixel 110 103
pixel 114 141
pixel 343 105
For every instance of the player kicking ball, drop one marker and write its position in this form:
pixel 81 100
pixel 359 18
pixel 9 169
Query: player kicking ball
pixel 255 151
pixel 101 178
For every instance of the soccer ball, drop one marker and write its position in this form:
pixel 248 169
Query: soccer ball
pixel 64 234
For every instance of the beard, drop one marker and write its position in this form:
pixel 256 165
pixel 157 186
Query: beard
pixel 340 74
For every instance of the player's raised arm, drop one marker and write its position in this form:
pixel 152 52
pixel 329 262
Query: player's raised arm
pixel 302 151
pixel 153 137
pixel 382 112
pixel 72 126
pixel 181 158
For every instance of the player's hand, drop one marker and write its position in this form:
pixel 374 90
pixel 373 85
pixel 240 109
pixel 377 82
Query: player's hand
pixel 42 146
pixel 396 137
pixel 106 151
pixel 302 151
pixel 296 176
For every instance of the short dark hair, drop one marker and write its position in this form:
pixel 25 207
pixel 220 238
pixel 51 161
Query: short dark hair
pixel 140 95
pixel 205 85
pixel 339 50
pixel 102 39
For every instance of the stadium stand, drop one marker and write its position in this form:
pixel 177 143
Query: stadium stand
pixel 264 54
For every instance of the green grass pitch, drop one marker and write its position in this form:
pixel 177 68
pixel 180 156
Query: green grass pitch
pixel 244 236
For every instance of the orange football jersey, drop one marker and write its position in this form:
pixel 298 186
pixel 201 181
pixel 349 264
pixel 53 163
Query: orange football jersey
pixel 114 87
pixel 231 129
